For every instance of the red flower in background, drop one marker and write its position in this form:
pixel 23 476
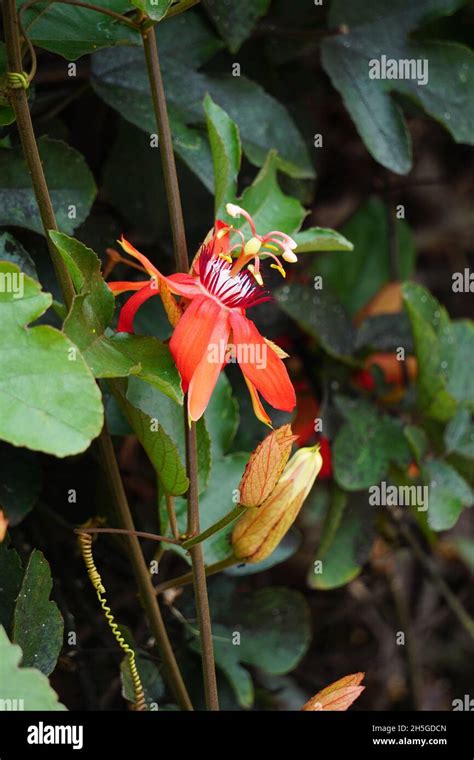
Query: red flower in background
pixel 303 427
pixel 214 328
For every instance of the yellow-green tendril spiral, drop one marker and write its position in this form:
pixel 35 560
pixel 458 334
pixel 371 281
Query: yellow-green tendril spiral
pixel 18 80
pixel 85 543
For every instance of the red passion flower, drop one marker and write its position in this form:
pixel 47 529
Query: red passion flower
pixel 213 329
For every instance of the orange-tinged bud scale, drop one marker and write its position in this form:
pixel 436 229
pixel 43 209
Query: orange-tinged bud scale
pixel 260 529
pixel 265 466
pixel 337 696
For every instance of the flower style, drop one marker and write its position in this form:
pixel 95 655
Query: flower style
pixel 213 329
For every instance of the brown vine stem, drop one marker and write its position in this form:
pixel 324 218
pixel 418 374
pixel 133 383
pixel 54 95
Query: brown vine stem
pixel 124 532
pixel 28 141
pixel 172 516
pixel 182 265
pixel 186 578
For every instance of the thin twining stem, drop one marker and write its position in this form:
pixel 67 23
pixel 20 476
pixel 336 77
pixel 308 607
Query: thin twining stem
pixel 123 531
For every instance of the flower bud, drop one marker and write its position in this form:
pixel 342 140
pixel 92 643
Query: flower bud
pixel 260 530
pixel 337 696
pixel 265 466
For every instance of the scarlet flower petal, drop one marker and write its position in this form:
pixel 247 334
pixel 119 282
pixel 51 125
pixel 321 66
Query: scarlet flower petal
pixel 205 377
pixel 132 251
pixel 122 286
pixel 128 311
pixel 191 336
pixel 272 380
pixel 184 285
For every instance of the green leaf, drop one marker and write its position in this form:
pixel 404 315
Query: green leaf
pixel 146 357
pixel 37 623
pixel 345 544
pixel 117 423
pixel 110 356
pixel 124 79
pixel 456 344
pixel 226 153
pixel 119 76
pixel 448 494
pixel 321 239
pixel 198 43
pixel 84 267
pixel 159 446
pixel 154 9
pixel 440 350
pixel 27 688
pixel 357 276
pixel 417 441
pixel 192 147
pixel 222 417
pixel 394 441
pixel 20 482
pixel 235 22
pixel 57 407
pixel 365 445
pixel 273 627
pixel 376 30
pixel 72 31
pixel 70 182
pixel 227 657
pixel 7 114
pixel 11 573
pixel 459 434
pixel 319 313
pixel 263 123
pixel 385 332
pixel 270 208
pixel 11 250
pixel 169 415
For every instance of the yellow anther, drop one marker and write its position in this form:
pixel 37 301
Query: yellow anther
pixel 279 269
pixel 257 275
pixel 226 257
